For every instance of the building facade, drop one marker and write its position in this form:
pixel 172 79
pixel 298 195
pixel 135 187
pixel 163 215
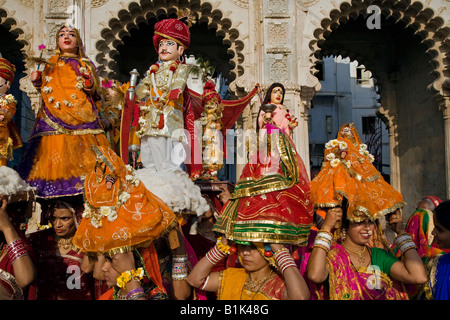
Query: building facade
pixel 403 43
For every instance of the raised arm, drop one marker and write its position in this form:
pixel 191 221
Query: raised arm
pixel 316 269
pixel 410 269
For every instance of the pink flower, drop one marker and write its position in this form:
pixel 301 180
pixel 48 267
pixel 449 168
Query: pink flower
pixel 42 47
pixel 107 83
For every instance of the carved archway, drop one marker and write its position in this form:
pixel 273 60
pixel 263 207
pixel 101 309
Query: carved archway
pixel 135 14
pixel 15 28
pixel 430 28
pixel 427 30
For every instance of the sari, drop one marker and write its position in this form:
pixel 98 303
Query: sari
pixel 271 201
pixel 58 153
pixel 232 281
pixel 121 218
pixel 438 285
pixel 345 282
pixel 59 277
pixel 348 172
pixel 419 227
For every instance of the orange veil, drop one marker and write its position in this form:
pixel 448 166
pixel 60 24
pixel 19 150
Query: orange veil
pixel 347 171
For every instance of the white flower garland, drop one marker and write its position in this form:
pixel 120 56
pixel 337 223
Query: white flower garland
pixel 96 214
pixel 342 146
pixel 7 99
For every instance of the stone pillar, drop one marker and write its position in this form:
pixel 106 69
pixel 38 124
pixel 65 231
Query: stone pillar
pixel 446 115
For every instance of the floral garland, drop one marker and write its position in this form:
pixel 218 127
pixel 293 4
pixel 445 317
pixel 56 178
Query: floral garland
pixel 51 99
pixel 96 214
pixel 338 156
pixel 7 99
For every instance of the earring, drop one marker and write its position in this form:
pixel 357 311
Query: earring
pixel 343 234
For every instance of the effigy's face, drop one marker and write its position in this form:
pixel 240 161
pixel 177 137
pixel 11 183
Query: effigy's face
pixel 4 85
pixel 169 50
pixel 67 41
pixel 346 131
pixel 276 96
pixel 210 107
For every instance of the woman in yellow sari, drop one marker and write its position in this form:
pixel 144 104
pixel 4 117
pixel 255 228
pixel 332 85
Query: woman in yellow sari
pixel 59 148
pixel 261 277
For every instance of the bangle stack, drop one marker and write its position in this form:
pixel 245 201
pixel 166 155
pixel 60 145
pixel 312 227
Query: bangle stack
pixel 180 267
pixel 284 260
pixel 217 253
pixel 136 294
pixel 404 242
pixel 16 250
pixel 128 276
pixel 323 240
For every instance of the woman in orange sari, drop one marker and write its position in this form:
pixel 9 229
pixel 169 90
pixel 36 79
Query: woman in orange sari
pixel 58 151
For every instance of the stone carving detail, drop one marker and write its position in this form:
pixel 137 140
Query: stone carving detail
pixel 278 33
pixel 278 7
pixel 279 71
pixel 27 3
pixel 241 3
pixel 309 3
pixel 57 9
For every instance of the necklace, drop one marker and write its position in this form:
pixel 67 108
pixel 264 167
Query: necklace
pixel 255 286
pixel 361 259
pixel 65 243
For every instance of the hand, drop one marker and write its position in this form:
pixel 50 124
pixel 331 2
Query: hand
pixel 333 216
pixel 4 218
pixel 36 78
pixel 88 83
pixel 174 94
pixel 395 221
pixel 122 262
pixel 224 195
pixel 224 241
pixel 276 246
pixel 35 75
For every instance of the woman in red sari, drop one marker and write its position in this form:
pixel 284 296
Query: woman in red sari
pixel 60 276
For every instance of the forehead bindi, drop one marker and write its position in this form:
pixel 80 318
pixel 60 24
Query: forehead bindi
pixel 166 42
pixel 68 31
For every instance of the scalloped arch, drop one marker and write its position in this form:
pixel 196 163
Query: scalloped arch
pixel 430 29
pixel 125 20
pixel 10 23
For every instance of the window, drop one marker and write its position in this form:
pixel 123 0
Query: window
pixel 329 124
pixel 320 70
pixel 362 75
pixel 368 125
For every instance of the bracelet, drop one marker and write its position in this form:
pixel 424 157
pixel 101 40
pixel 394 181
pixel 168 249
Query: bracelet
pixel 323 240
pixel 180 267
pixel 325 234
pixel 222 247
pixel 406 245
pixel 284 260
pixel 129 275
pixel 214 255
pixel 204 283
pixel 16 250
pixel 136 294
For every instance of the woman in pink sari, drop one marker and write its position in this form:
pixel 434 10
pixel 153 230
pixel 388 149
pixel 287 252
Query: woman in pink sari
pixel 351 270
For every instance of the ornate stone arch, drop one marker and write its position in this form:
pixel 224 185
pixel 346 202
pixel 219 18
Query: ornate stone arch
pixel 10 23
pixel 425 23
pixel 130 16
